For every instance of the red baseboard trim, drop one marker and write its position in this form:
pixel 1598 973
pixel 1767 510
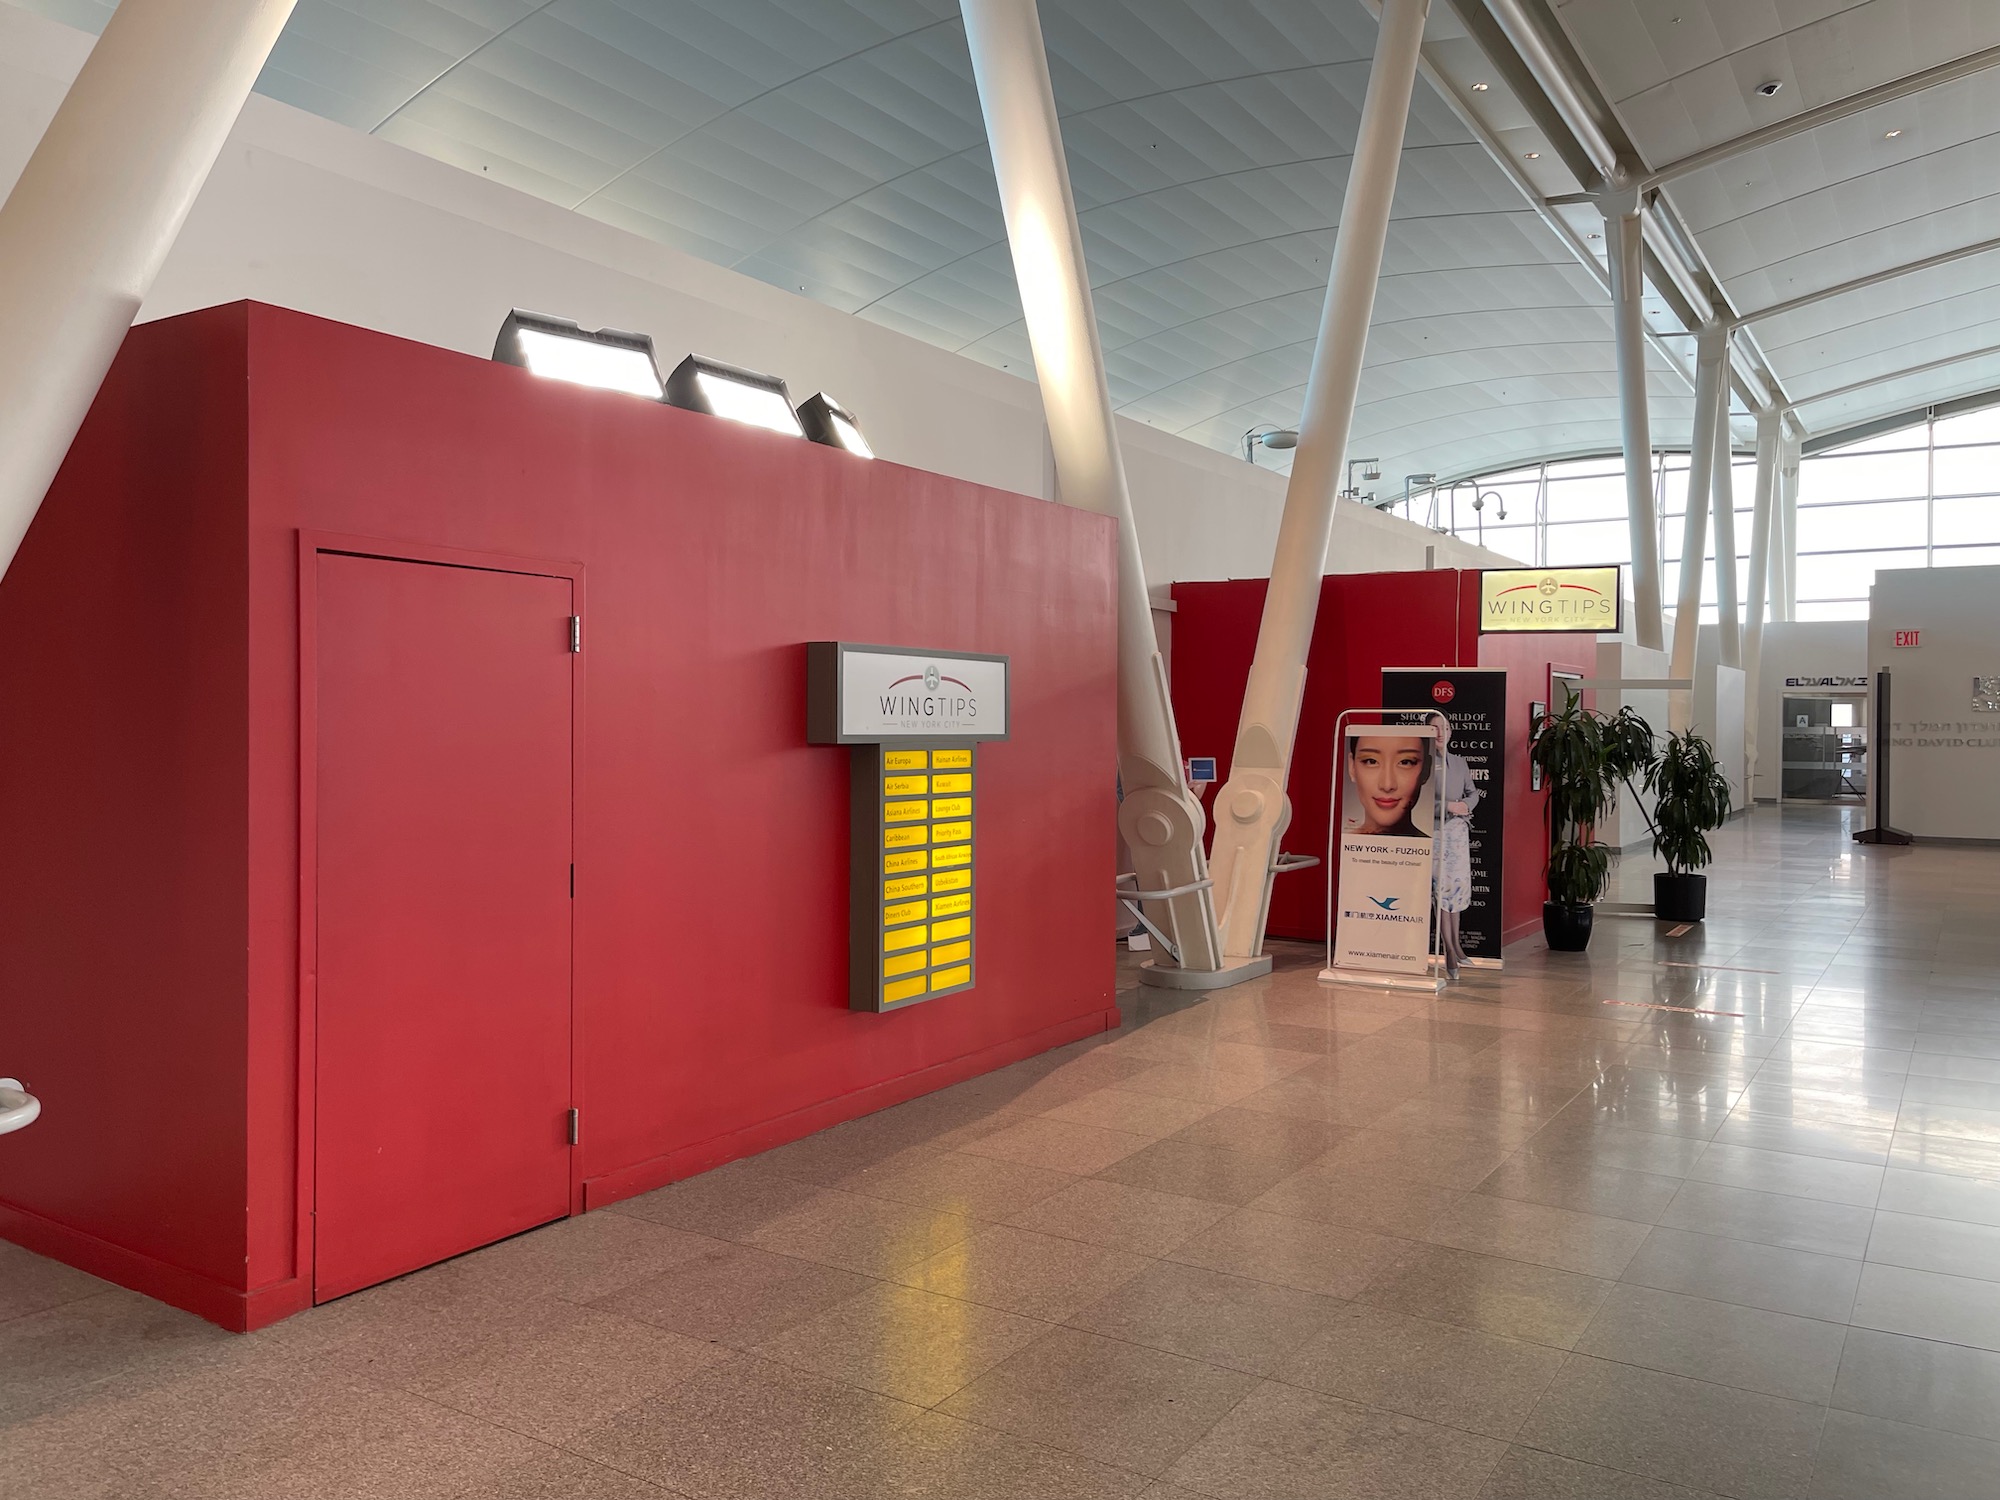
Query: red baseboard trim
pixel 227 1306
pixel 658 1171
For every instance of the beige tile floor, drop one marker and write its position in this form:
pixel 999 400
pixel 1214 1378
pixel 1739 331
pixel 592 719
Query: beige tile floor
pixel 1716 1214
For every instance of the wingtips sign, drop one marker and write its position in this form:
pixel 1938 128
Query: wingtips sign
pixel 1586 600
pixel 871 695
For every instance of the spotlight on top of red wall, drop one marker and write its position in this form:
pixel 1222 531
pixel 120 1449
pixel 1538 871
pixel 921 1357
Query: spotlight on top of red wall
pixel 607 358
pixel 724 390
pixel 827 421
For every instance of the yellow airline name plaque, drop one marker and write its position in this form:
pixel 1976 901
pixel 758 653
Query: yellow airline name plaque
pixel 912 900
pixel 1585 600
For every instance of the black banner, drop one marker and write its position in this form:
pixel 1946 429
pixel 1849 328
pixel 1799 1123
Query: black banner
pixel 1470 859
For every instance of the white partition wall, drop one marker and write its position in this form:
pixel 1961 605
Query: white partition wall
pixel 1944 727
pixel 1798 655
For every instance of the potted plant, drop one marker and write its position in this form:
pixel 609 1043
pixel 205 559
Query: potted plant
pixel 1583 756
pixel 1691 798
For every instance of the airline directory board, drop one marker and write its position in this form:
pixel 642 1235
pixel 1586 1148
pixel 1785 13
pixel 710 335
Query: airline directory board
pixel 911 901
pixel 912 721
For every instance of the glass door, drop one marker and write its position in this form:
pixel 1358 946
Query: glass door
pixel 1824 737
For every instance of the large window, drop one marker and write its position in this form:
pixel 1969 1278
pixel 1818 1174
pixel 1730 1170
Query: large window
pixel 1924 496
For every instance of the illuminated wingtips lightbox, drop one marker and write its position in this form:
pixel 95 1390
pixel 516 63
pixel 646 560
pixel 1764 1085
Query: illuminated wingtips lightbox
pixel 607 358
pixel 725 390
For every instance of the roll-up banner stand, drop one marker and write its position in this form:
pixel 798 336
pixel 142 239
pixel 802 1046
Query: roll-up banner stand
pixel 1382 853
pixel 1470 847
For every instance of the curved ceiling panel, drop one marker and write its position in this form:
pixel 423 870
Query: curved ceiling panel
pixel 835 148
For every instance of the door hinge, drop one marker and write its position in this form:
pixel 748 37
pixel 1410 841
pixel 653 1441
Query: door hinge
pixel 576 632
pixel 574 1126
pixel 572 882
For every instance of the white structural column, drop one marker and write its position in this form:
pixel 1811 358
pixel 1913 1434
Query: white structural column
pixel 1722 504
pixel 1763 512
pixel 1253 811
pixel 1160 819
pixel 1711 388
pixel 99 205
pixel 1774 567
pixel 1624 232
pixel 1788 494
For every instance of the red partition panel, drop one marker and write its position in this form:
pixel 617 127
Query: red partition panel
pixel 1366 621
pixel 442 792
pixel 1527 659
pixel 151 775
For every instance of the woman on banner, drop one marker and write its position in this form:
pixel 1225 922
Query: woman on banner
pixel 1458 795
pixel 1389 773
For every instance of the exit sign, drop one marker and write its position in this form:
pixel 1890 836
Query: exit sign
pixel 1909 637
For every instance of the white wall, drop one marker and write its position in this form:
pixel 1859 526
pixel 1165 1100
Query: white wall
pixel 311 215
pixel 1801 648
pixel 1944 768
pixel 1719 716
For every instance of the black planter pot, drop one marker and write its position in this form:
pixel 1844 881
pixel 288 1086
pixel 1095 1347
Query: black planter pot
pixel 1566 927
pixel 1680 898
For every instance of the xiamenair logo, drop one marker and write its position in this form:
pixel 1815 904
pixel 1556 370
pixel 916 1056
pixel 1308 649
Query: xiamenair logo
pixel 933 702
pixel 1385 910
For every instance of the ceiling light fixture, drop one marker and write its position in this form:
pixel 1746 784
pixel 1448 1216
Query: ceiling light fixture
pixel 1892 135
pixel 725 390
pixel 1268 437
pixel 827 421
pixel 1480 88
pixel 608 358
pixel 1770 87
pixel 1534 156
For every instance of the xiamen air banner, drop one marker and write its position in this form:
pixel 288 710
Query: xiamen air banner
pixel 1382 884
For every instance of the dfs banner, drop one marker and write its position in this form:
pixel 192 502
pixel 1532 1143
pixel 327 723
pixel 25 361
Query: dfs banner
pixel 1382 888
pixel 1474 779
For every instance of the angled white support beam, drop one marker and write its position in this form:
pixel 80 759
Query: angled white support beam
pixel 1252 809
pixel 1722 503
pixel 1534 48
pixel 1757 585
pixel 1825 114
pixel 1622 228
pixel 98 207
pixel 1862 283
pixel 1161 821
pixel 1710 398
pixel 1787 559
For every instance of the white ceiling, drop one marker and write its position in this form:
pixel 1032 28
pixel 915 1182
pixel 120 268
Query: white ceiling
pixel 1839 202
pixel 834 148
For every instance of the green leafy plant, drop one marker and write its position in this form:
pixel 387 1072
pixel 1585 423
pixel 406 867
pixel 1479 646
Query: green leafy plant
pixel 1584 756
pixel 1691 799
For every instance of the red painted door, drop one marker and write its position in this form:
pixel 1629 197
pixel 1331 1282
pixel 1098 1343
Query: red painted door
pixel 443 786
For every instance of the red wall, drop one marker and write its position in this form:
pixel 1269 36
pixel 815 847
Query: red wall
pixel 710 969
pixel 1527 659
pixel 123 835
pixel 1366 621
